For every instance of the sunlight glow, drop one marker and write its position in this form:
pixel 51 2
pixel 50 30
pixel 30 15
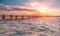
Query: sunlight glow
pixel 38 6
pixel 42 9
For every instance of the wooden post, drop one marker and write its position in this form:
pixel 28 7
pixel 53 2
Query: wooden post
pixel 34 16
pixel 22 17
pixel 3 16
pixel 11 16
pixel 16 17
pixel 29 16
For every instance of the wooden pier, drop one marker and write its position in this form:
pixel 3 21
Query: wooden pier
pixel 11 17
pixel 17 16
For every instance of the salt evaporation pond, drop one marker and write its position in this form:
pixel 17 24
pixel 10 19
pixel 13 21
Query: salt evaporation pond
pixel 49 26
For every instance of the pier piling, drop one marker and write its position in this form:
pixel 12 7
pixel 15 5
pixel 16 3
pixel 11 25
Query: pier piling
pixel 15 17
pixel 3 16
pixel 11 16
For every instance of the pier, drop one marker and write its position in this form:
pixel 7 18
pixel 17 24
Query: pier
pixel 17 17
pixel 11 17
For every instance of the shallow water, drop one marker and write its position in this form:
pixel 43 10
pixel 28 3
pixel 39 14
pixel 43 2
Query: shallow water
pixel 49 26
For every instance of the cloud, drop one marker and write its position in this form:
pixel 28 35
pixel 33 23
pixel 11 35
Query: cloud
pixel 4 7
pixel 46 3
pixel 15 8
pixel 53 6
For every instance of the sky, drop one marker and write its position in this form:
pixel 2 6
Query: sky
pixel 44 6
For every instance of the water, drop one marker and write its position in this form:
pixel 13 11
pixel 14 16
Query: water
pixel 49 26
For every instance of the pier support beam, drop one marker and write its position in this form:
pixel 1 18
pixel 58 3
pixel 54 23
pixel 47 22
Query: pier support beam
pixel 15 17
pixel 28 16
pixel 11 16
pixel 22 17
pixel 3 16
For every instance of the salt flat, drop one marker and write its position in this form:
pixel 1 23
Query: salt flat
pixel 49 26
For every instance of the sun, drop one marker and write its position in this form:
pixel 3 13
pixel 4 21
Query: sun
pixel 42 9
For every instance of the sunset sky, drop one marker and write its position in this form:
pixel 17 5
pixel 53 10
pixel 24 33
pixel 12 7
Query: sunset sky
pixel 17 6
